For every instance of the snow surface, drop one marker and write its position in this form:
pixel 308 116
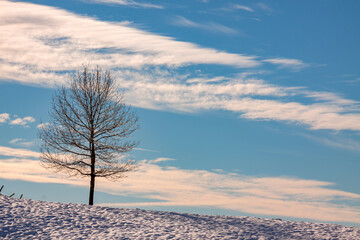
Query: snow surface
pixel 29 219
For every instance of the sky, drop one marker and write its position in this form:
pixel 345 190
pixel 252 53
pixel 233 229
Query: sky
pixel 246 108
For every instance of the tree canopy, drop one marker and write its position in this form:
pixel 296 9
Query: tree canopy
pixel 90 129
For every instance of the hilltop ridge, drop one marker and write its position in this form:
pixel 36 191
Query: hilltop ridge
pixel 29 219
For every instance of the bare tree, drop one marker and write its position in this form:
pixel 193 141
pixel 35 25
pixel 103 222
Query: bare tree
pixel 89 131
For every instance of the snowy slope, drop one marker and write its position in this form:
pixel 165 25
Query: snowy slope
pixel 28 219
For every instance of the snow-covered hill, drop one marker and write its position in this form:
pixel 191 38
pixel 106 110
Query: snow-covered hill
pixel 29 219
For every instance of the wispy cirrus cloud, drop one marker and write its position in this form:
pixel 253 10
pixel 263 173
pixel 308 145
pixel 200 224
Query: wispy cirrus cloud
pixel 209 26
pixel 22 142
pixel 243 96
pixel 39 43
pixel 242 7
pixel 129 3
pixel 60 40
pixel 172 186
pixel 31 73
pixel 331 98
pixel 160 160
pixel 264 7
pixel 144 149
pixel 18 152
pixel 339 142
pixel 295 64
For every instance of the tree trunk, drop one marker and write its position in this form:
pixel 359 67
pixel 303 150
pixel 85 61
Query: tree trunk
pixel 92 177
pixel 92 174
pixel 92 187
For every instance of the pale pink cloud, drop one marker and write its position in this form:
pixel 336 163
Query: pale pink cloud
pixel 40 39
pixel 4 117
pixel 18 152
pixel 172 186
pixel 22 121
pixel 22 142
pixel 38 43
pixel 242 96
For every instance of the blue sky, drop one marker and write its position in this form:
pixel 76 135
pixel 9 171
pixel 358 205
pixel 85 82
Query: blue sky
pixel 246 107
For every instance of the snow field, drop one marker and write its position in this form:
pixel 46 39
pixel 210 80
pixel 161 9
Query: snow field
pixel 29 219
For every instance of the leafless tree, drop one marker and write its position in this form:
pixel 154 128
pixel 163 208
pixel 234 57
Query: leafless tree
pixel 90 129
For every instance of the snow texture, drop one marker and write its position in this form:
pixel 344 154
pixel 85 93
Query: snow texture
pixel 29 219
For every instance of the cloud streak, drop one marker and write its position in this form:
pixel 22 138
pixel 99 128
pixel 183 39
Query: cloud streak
pixel 343 143
pixel 294 64
pixel 39 43
pixel 213 27
pixel 44 40
pixel 129 3
pixel 17 152
pixel 22 142
pixel 163 91
pixel 242 7
pixel 172 186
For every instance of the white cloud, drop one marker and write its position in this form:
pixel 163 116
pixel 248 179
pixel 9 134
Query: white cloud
pixel 32 171
pixel 144 149
pixel 171 186
pixel 295 64
pixel 352 82
pixel 164 91
pixel 160 160
pixel 17 152
pixel 30 74
pixel 242 7
pixel 4 117
pixel 38 43
pixel 234 7
pixel 331 98
pixel 206 80
pixel 130 3
pixel 210 26
pixel 264 7
pixel 22 121
pixel 339 142
pixel 22 142
pixel 13 141
pixel 43 125
pixel 314 115
pixel 289 197
pixel 41 41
